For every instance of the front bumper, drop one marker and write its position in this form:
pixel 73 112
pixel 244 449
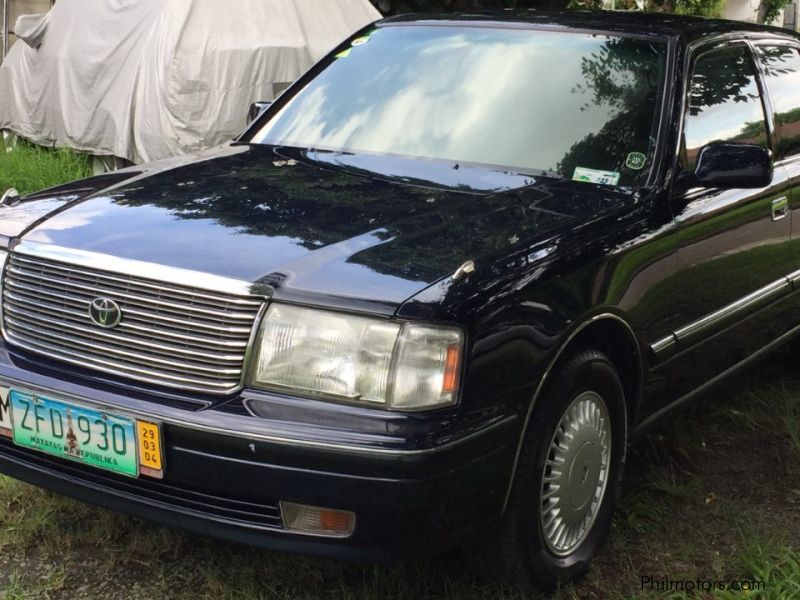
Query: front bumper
pixel 417 483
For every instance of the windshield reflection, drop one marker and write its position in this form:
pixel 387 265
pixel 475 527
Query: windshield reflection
pixel 541 101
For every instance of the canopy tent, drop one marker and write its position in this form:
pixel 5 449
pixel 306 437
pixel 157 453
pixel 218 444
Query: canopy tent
pixel 148 79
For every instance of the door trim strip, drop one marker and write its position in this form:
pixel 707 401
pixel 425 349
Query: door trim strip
pixel 703 327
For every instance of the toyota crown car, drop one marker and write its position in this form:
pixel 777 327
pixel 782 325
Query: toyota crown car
pixel 426 300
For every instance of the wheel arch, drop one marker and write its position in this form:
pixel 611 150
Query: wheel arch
pixel 611 334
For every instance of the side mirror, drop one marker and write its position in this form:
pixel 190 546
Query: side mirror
pixel 724 165
pixel 256 108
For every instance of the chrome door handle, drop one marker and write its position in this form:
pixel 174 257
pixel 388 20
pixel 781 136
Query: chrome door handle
pixel 780 208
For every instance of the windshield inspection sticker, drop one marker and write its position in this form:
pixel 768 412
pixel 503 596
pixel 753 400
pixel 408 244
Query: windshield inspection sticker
pixel 636 161
pixel 359 41
pixel 595 176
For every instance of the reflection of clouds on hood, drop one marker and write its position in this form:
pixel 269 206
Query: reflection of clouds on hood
pixel 498 97
pixel 24 216
pixel 15 219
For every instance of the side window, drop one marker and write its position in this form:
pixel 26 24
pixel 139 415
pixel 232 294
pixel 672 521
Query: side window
pixel 781 66
pixel 724 103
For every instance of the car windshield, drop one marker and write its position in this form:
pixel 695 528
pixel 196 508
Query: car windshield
pixel 569 105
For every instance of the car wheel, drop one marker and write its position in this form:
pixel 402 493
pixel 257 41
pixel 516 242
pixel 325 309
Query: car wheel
pixel 562 499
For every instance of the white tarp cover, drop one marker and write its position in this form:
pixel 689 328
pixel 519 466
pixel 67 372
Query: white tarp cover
pixel 149 79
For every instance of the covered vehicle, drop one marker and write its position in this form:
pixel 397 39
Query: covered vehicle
pixel 145 79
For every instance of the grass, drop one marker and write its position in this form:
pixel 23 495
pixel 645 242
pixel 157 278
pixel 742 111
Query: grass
pixel 30 168
pixel 713 494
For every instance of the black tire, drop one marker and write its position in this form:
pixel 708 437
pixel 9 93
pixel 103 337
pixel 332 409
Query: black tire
pixel 515 552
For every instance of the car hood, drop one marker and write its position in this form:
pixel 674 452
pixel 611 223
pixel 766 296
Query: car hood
pixel 328 224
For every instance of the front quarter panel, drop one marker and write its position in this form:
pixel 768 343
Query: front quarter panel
pixel 521 309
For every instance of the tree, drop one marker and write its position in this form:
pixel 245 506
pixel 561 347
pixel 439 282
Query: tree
pixel 388 7
pixel 622 76
pixel 768 10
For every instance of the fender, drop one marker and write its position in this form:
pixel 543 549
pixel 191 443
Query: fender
pixel 548 370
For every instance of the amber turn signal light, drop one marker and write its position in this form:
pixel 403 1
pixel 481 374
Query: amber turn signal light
pixel 314 520
pixel 451 367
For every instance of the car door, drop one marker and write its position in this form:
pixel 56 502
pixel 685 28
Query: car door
pixel 779 61
pixel 733 244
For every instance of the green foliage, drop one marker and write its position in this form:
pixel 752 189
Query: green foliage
pixel 777 566
pixel 30 168
pixel 622 77
pixel 769 10
pixel 703 8
pixel 790 116
pixel 404 6
pixel 585 4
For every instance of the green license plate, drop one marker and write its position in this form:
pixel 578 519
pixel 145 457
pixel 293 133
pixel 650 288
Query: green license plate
pixel 93 437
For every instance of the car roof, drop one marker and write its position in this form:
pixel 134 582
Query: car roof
pixel 683 27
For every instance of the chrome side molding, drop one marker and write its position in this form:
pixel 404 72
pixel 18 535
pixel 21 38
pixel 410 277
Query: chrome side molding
pixel 714 321
pixel 664 346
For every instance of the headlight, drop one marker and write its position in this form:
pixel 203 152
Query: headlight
pixel 357 359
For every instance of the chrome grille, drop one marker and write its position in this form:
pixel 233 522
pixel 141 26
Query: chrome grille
pixel 170 335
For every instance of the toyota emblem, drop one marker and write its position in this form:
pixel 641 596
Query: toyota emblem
pixel 105 312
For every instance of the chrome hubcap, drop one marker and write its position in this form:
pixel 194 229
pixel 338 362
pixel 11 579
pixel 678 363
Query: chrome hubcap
pixel 575 473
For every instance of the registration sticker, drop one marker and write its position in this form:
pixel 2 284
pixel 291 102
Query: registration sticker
pixel 595 176
pixel 636 161
pixel 151 460
pixel 359 41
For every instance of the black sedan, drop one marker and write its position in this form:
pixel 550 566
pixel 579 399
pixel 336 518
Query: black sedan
pixel 426 300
